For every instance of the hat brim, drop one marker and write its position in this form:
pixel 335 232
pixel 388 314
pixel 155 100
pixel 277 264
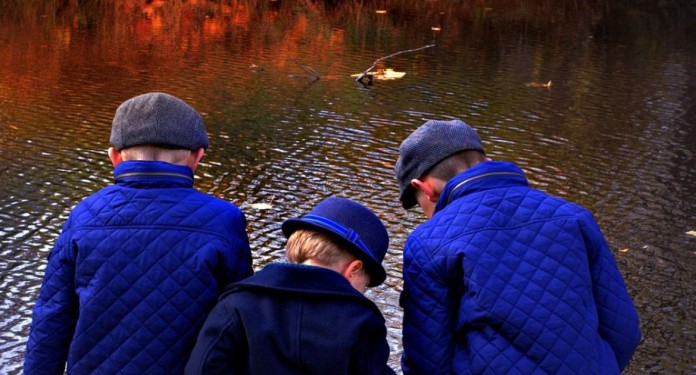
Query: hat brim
pixel 408 198
pixel 372 266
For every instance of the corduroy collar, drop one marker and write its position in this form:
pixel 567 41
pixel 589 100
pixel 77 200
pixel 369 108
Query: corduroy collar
pixel 153 173
pixel 483 176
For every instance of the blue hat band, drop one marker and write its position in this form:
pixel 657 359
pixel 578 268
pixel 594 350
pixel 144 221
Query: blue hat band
pixel 339 229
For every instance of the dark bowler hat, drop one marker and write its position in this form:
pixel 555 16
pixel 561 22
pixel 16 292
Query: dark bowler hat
pixel 158 119
pixel 353 226
pixel 428 145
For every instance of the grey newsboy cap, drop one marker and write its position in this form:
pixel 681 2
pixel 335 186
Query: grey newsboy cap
pixel 158 119
pixel 428 145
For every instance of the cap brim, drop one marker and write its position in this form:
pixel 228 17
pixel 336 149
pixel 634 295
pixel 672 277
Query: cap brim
pixel 372 266
pixel 408 198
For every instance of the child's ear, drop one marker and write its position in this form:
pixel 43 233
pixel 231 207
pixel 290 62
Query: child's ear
pixel 115 156
pixel 356 275
pixel 426 185
pixel 355 266
pixel 195 158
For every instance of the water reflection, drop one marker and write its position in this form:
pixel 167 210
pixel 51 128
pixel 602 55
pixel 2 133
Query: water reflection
pixel 614 131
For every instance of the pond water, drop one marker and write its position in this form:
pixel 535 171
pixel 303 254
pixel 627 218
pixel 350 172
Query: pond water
pixel 614 131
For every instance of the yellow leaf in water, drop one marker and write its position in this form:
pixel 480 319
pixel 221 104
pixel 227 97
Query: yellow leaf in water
pixel 390 74
pixel 381 11
pixel 624 250
pixel 383 74
pixel 539 84
pixel 691 233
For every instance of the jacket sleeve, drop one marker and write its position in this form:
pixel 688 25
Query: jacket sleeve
pixel 237 259
pixel 618 319
pixel 429 314
pixel 220 347
pixel 55 313
pixel 372 354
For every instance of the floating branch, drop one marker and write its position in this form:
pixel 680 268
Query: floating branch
pixel 312 74
pixel 364 74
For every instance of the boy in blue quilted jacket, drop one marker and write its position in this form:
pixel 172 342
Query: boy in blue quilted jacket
pixel 503 278
pixel 139 264
pixel 307 316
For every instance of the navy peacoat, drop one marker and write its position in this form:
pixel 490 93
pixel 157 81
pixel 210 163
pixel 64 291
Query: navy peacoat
pixel 292 319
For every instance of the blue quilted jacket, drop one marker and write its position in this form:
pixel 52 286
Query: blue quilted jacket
pixel 505 279
pixel 134 273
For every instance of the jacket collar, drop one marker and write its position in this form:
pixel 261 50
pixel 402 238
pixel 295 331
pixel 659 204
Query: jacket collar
pixel 153 173
pixel 483 176
pixel 299 278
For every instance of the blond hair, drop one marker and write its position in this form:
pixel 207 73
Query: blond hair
pixel 304 245
pixel 151 152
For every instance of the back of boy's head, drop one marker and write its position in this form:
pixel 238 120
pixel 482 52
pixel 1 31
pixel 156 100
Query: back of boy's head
pixel 158 119
pixel 309 245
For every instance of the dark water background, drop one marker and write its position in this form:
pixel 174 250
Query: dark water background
pixel 615 131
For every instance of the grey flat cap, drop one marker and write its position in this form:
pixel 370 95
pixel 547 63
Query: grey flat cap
pixel 158 119
pixel 428 145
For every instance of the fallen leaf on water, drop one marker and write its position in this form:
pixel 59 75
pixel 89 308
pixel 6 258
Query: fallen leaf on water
pixel 385 74
pixel 381 11
pixel 391 74
pixel 691 233
pixel 261 206
pixel 539 84
pixel 624 250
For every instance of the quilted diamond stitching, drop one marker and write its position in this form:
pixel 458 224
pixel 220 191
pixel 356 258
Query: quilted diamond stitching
pixel 537 287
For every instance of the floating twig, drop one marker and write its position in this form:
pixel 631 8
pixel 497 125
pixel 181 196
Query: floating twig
pixel 364 74
pixel 311 71
pixel 311 76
